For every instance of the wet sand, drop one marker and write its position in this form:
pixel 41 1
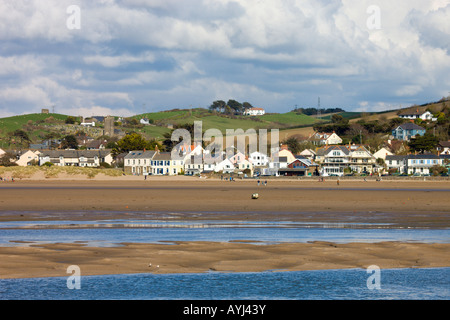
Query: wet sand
pixel 52 260
pixel 405 204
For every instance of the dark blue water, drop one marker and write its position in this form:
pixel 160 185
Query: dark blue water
pixel 351 284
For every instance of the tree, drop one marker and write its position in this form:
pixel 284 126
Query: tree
pixel 22 136
pixel 7 159
pixel 70 120
pixel 218 105
pixel 427 142
pixel 69 142
pixel 293 145
pixel 246 106
pixel 337 118
pixel 438 170
pixel 235 105
pixel 133 141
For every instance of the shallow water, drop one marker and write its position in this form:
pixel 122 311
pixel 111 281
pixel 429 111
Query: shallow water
pixel 351 284
pixel 114 232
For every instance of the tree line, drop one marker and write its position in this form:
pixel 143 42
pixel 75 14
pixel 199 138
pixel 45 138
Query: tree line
pixel 314 111
pixel 230 107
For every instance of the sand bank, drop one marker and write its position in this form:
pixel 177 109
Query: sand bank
pixel 52 260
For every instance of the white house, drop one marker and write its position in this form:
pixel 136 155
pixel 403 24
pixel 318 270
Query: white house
pixel 361 160
pixel 334 159
pixel 421 164
pixel 382 153
pixel 280 160
pixel 162 164
pixel 259 159
pixel 225 166
pixel 193 164
pixel 138 162
pixel 27 158
pixel 396 163
pixel 443 147
pixel 412 115
pixel 79 158
pixel 308 153
pixel 255 112
pixel 144 121
pixel 88 124
pixel 244 165
pixel 325 138
pixel 237 158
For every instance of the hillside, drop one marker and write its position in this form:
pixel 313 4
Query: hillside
pixel 223 122
pixel 39 125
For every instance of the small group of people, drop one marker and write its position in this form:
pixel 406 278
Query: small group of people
pixel 262 183
pixel 227 179
pixel 6 179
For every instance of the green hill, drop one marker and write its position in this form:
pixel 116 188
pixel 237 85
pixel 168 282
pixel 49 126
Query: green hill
pixel 38 125
pixel 223 122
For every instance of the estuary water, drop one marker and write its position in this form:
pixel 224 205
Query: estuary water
pixel 114 232
pixel 349 284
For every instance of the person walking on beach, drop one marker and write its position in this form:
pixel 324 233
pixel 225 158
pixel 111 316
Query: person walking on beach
pixel 337 181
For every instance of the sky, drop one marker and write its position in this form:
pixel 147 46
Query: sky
pixel 126 57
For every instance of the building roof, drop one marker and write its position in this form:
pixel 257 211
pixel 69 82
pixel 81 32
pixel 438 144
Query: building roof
pixel 305 161
pixel 422 156
pixel 395 157
pixel 410 126
pixel 326 150
pixel 445 144
pixel 411 113
pixel 140 154
pixel 163 156
pixel 75 153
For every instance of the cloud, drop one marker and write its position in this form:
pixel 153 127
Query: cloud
pixel 121 60
pixel 99 111
pixel 171 53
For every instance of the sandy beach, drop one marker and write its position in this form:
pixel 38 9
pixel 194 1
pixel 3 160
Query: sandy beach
pixel 402 203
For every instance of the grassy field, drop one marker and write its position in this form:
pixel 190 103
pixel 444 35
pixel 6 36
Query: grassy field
pixel 222 122
pixel 40 125
pixel 16 122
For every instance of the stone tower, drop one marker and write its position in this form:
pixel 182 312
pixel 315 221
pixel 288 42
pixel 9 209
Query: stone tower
pixel 109 126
